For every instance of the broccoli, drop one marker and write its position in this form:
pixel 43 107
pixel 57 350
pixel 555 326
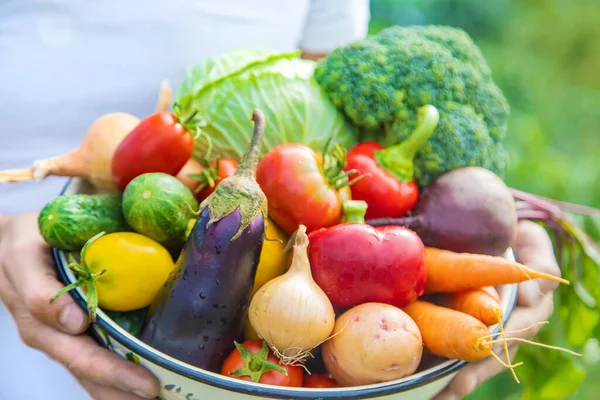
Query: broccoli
pixel 381 82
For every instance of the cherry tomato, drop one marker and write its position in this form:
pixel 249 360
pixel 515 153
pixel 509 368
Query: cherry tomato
pixel 293 178
pixel 385 194
pixel 159 143
pixel 319 381
pixel 253 361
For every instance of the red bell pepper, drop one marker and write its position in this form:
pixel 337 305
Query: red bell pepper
pixel 159 143
pixel 355 263
pixel 388 185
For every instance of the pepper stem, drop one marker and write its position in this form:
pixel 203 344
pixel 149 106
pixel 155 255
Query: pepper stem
pixel 249 162
pixel 398 159
pixel 354 211
pixel 256 365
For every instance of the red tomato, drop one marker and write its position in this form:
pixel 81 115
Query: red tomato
pixel 319 381
pixel 159 143
pixel 253 361
pixel 386 196
pixel 292 177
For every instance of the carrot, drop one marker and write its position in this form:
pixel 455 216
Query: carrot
pixel 450 333
pixel 483 304
pixel 456 335
pixel 456 272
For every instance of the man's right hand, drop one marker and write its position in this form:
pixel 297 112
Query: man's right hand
pixel 27 282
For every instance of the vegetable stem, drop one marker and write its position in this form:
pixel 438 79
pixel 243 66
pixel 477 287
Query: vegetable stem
pixel 85 277
pixel 300 261
pixel 255 365
pixel 398 159
pixel 354 211
pixel 249 162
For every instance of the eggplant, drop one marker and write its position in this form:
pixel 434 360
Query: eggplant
pixel 202 308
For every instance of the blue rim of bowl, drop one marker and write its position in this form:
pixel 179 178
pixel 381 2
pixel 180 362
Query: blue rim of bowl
pixel 180 368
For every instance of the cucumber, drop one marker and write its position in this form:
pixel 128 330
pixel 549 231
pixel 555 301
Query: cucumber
pixel 69 221
pixel 131 321
pixel 159 206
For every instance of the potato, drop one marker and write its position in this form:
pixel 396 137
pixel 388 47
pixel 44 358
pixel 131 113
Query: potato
pixel 376 343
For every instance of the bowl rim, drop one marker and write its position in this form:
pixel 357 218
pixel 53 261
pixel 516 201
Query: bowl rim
pixel 248 388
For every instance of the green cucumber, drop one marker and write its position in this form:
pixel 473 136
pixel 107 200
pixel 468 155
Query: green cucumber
pixel 159 206
pixel 131 321
pixel 69 221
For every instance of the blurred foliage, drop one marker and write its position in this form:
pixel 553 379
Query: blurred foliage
pixel 545 55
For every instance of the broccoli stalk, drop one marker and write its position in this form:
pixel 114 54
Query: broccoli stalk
pixel 398 159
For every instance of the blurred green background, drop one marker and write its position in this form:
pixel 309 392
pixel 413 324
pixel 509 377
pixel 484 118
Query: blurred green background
pixel 545 55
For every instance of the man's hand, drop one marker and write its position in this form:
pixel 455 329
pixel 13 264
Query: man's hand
pixel 27 282
pixel 534 304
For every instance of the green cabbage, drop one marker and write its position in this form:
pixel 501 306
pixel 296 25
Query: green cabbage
pixel 223 90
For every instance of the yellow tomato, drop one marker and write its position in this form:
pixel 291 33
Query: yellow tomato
pixel 136 269
pixel 272 263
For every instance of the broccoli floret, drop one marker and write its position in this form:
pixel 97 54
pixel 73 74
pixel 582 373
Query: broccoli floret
pixel 380 83
pixel 460 139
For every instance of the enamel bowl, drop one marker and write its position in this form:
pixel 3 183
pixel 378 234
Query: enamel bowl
pixel 181 381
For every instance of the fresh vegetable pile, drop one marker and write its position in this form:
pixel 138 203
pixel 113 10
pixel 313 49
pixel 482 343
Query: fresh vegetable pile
pixel 254 228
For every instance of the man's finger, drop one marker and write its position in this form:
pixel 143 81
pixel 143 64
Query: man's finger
pixel 86 360
pixel 471 376
pixel 30 270
pixel 534 249
pixel 98 392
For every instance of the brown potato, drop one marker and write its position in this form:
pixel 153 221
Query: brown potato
pixel 376 343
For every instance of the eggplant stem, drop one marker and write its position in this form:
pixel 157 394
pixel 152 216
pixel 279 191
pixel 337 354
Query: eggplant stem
pixel 249 162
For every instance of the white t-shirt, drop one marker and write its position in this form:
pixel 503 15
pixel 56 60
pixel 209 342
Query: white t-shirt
pixel 63 63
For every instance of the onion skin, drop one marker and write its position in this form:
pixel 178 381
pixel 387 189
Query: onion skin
pixel 373 343
pixel 92 160
pixel 291 312
pixel 190 168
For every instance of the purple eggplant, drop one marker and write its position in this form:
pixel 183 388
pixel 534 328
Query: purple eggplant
pixel 201 310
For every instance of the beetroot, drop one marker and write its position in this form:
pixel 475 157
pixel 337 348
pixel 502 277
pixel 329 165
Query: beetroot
pixel 466 210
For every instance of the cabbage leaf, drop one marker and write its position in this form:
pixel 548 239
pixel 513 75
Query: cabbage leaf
pixel 224 89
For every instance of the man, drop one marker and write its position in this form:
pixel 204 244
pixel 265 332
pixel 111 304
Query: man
pixel 63 63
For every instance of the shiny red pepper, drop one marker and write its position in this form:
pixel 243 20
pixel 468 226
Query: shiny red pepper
pixel 387 184
pixel 159 143
pixel 355 263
